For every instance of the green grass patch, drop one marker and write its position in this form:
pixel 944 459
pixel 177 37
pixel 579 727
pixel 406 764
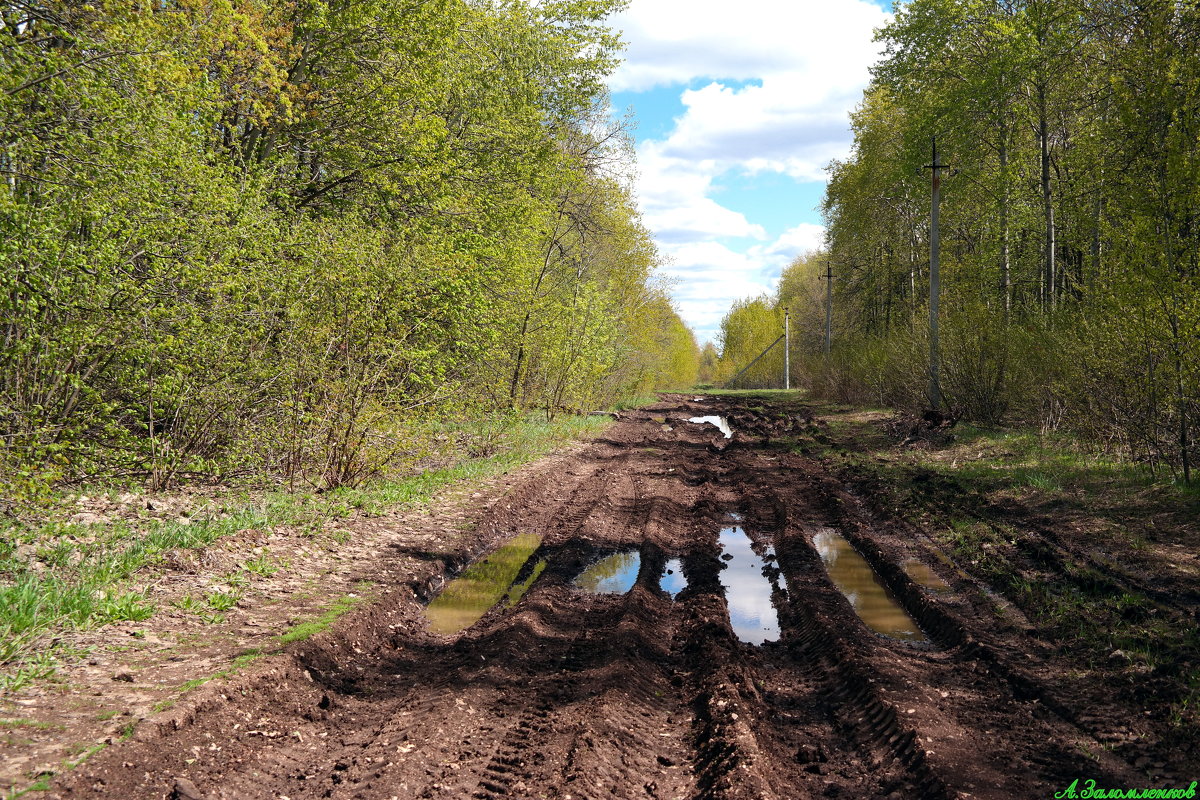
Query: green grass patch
pixel 635 402
pixel 12 724
pixel 305 630
pixel 83 573
pixel 753 394
pixel 222 601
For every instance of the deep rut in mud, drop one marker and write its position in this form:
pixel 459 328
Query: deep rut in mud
pixel 571 693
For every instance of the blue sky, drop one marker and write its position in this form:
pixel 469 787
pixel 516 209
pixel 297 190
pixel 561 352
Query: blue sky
pixel 739 108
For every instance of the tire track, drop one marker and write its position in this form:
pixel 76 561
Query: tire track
pixel 639 694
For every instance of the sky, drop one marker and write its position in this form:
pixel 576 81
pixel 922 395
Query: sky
pixel 739 106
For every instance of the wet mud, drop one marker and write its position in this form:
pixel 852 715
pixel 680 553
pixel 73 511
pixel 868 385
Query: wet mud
pixel 652 617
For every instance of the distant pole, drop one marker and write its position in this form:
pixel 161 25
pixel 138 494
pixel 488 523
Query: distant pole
pixel 935 246
pixel 787 351
pixel 828 304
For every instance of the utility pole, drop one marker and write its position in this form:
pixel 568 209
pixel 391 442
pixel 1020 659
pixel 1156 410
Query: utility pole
pixel 935 246
pixel 787 351
pixel 828 304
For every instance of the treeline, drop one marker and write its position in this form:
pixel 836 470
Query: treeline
pixel 1070 222
pixel 751 350
pixel 293 238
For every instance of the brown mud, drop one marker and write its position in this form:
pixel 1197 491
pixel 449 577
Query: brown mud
pixel 571 694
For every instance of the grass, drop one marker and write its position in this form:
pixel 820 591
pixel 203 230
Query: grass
pixel 635 402
pixel 261 566
pixel 84 576
pixel 222 601
pixel 9 724
pixel 959 489
pixel 1050 463
pixel 305 630
pixel 297 633
pixel 82 752
pixel 750 394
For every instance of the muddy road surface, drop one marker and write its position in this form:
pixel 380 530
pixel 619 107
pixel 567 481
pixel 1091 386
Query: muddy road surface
pixel 676 620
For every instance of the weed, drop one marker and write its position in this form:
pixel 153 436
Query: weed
pixel 32 666
pixel 222 601
pixel 188 603
pixel 131 606
pixel 237 580
pixel 262 566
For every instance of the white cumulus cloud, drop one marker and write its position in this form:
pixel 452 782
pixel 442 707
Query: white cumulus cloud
pixel 674 41
pixel 708 275
pixel 774 84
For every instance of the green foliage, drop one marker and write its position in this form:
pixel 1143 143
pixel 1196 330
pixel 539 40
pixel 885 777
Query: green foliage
pixel 291 240
pixel 219 600
pixel 750 327
pixel 1070 258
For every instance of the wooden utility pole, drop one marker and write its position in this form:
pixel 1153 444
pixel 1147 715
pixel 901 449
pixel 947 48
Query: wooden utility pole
pixel 787 351
pixel 828 305
pixel 935 246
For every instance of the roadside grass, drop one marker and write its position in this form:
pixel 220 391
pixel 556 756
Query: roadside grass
pixel 750 394
pixel 1052 463
pixel 56 575
pixel 952 489
pixel 299 632
pixel 635 402
pixel 80 753
pixel 306 630
pixel 1095 622
pixel 8 724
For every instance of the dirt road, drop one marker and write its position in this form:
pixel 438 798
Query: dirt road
pixel 657 689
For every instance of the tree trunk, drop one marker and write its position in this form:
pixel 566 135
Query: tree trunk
pixel 1005 256
pixel 1049 277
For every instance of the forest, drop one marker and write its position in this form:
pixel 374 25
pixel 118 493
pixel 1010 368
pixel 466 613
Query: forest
pixel 1069 226
pixel 294 240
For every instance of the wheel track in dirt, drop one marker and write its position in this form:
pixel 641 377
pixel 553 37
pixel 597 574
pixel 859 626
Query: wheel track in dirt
pixel 639 694
pixel 1014 668
pixel 824 678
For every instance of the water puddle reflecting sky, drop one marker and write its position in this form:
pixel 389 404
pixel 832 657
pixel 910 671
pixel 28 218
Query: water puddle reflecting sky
pixel 614 574
pixel 748 588
pixel 673 580
pixel 872 602
pixel 721 423
pixel 482 585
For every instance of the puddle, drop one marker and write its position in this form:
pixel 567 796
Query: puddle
pixel 613 574
pixel 862 587
pixel 922 574
pixel 748 588
pixel 517 591
pixel 720 422
pixel 673 581
pixel 482 585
